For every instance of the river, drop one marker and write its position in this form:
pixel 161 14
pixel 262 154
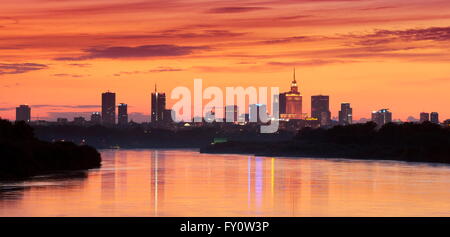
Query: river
pixel 187 183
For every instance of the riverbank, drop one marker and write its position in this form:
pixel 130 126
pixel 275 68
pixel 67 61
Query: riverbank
pixel 22 155
pixel 406 142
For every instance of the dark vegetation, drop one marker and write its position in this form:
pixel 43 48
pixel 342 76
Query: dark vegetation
pixel 22 155
pixel 143 136
pixel 425 142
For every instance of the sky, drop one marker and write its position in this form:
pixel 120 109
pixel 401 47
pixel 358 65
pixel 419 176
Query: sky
pixel 58 56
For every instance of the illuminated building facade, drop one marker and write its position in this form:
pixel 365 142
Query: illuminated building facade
pixel 345 114
pixel 382 117
pixel 96 118
pixel 291 103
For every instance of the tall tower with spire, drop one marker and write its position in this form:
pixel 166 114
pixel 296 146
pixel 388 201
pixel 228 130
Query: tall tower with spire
pixel 294 87
pixel 293 98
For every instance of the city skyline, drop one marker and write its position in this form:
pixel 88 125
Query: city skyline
pixel 159 113
pixel 374 54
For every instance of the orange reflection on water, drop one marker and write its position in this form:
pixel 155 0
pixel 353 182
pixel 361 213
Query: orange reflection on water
pixel 186 183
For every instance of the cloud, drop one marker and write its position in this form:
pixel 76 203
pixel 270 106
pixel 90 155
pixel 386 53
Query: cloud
pixel 65 106
pixel 144 51
pixel 80 64
pixel 7 108
pixel 377 8
pixel 408 35
pixel 158 69
pixel 235 9
pixel 313 62
pixel 18 68
pixel 286 40
pixel 166 69
pixel 69 75
pixel 177 34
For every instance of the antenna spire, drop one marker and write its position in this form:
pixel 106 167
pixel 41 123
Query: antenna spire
pixel 294 76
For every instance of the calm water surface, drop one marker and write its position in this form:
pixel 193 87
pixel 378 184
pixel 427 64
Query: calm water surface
pixel 186 183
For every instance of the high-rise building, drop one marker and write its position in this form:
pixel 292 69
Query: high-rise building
pixel 434 117
pixel 382 117
pixel 291 102
pixel 158 106
pixel 123 114
pixel 23 113
pixel 424 117
pixel 320 109
pixel 231 113
pixel 108 108
pixel 281 103
pixel 345 114
pixel 258 113
pixel 96 118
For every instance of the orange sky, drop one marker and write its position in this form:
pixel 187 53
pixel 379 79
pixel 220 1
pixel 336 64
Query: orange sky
pixel 59 55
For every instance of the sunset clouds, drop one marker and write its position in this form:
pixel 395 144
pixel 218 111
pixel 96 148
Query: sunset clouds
pixel 341 47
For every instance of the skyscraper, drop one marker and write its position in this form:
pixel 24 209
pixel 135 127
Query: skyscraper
pixel 108 108
pixel 434 117
pixel 424 117
pixel 290 103
pixel 345 114
pixel 320 109
pixel 96 118
pixel 158 106
pixel 382 117
pixel 123 114
pixel 23 113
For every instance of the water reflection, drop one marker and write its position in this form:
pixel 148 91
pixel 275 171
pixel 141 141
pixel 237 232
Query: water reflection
pixel 186 183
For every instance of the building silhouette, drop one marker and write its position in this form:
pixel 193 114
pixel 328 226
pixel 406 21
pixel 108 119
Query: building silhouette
pixel 80 121
pixel 434 117
pixel 96 118
pixel 290 103
pixel 23 113
pixel 424 117
pixel 167 115
pixel 122 118
pixel 281 103
pixel 382 117
pixel 108 108
pixel 62 121
pixel 345 114
pixel 320 109
pixel 158 106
